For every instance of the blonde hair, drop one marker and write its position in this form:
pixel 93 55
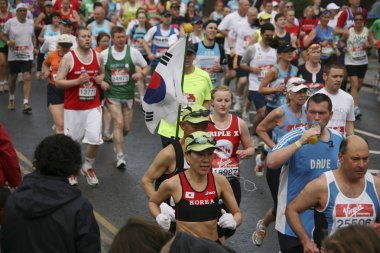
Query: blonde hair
pixel 221 88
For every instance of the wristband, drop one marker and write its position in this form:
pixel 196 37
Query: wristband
pixel 298 144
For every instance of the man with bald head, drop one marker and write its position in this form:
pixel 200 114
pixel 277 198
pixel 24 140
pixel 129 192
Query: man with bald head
pixel 341 197
pixel 100 24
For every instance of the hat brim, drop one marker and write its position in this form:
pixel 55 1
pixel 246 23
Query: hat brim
pixel 291 49
pixel 298 88
pixel 65 44
pixel 201 147
pixel 196 120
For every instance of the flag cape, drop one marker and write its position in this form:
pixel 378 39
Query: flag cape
pixel 164 92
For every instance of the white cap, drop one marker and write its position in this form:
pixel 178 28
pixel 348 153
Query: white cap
pixel 21 6
pixel 296 84
pixel 274 3
pixel 332 6
pixel 64 39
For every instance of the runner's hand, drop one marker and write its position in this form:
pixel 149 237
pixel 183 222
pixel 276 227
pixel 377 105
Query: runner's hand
pixel 242 154
pixel 137 76
pixel 281 88
pixel 105 86
pixel 163 220
pixel 98 79
pixel 151 57
pixel 168 210
pixel 227 220
pixel 83 78
pixel 308 133
pixel 310 247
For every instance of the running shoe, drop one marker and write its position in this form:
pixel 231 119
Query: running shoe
pixel 121 164
pixel 260 166
pixel 245 116
pixel 357 112
pixel 259 234
pixel 237 106
pixel 90 176
pixel 257 142
pixel 11 104
pixel 27 109
pixel 73 180
pixel 108 137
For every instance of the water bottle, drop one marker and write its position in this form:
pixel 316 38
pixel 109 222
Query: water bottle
pixel 82 71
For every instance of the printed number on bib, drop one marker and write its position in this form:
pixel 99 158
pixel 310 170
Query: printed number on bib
pixel 119 76
pixel 227 167
pixel 358 53
pixel 327 51
pixel 87 93
pixel 22 52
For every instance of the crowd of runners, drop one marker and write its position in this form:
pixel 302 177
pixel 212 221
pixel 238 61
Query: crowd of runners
pixel 301 73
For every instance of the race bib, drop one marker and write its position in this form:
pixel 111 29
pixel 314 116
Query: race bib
pixel 263 72
pixel 21 52
pixel 327 51
pixel 348 214
pixel 340 129
pixel 228 167
pixel 358 53
pixel 87 93
pixel 120 76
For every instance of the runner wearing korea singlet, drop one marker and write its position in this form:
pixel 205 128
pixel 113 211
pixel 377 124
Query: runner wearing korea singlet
pixel 4 16
pixel 196 193
pixel 80 73
pixel 229 131
pixel 342 197
pixel 120 62
pixel 279 121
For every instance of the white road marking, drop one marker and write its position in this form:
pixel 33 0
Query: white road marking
pixel 367 133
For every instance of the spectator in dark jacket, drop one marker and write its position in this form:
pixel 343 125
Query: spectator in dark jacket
pixel 46 213
pixel 10 174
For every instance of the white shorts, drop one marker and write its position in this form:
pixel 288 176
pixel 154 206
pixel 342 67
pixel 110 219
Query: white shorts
pixel 84 125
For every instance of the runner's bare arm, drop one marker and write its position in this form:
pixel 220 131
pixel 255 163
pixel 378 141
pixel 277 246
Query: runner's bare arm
pixel 248 149
pixel 160 166
pixel 227 195
pixel 63 70
pixel 314 193
pixel 101 74
pixel 268 124
pixel 268 78
pixel 349 128
pixel 163 193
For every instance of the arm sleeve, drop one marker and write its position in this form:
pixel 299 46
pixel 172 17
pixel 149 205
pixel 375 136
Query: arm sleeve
pixel 88 235
pixel 149 35
pixel 104 55
pixel 9 164
pixel 225 24
pixel 137 58
pixel 45 46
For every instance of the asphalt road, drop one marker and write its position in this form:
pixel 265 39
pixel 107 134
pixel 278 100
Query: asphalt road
pixel 119 195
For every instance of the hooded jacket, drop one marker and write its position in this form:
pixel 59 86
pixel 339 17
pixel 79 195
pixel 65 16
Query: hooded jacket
pixel 47 214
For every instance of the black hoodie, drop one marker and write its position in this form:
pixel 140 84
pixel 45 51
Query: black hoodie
pixel 47 214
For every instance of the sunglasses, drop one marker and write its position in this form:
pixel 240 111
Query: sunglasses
pixel 202 140
pixel 196 114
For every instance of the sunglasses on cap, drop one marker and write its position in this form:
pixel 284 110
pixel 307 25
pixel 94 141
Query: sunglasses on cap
pixel 202 140
pixel 196 114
